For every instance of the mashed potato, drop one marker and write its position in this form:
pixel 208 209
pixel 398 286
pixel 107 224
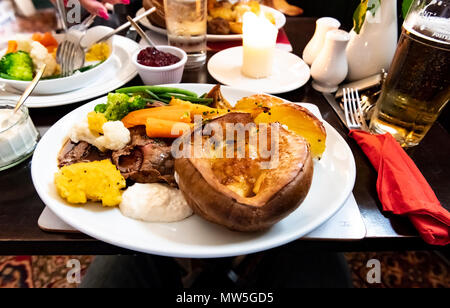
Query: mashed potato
pixel 154 203
pixel 115 135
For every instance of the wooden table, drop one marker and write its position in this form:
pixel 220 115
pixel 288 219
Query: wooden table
pixel 20 206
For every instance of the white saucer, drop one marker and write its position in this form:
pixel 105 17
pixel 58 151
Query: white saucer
pixel 289 72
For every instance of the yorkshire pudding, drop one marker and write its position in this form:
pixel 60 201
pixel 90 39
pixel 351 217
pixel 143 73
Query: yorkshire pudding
pixel 249 192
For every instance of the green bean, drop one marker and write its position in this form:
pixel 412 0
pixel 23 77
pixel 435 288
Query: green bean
pixel 163 100
pixel 152 95
pixel 205 101
pixel 157 90
pixel 152 101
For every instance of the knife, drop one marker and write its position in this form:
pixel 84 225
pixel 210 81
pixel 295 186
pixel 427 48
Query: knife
pixel 336 107
pixel 126 25
pixel 363 84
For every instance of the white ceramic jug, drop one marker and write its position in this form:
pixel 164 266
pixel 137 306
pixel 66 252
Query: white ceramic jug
pixel 323 25
pixel 330 67
pixel 373 48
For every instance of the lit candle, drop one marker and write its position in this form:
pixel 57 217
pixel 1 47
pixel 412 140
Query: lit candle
pixel 259 40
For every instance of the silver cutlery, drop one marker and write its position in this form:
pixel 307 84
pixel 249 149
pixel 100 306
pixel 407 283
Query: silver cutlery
pixel 27 92
pixel 70 54
pixel 126 25
pixel 354 116
pixel 141 32
pixel 338 109
pixel 62 13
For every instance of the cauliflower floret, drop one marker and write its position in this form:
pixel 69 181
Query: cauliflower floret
pixel 40 56
pixel 24 45
pixel 81 132
pixel 115 135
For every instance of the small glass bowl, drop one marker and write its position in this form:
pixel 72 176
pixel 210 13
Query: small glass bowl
pixel 18 138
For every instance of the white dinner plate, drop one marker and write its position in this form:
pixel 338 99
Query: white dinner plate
pixel 119 71
pixel 290 72
pixel 280 21
pixel 194 237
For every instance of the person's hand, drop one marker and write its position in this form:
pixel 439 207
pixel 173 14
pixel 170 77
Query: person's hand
pixel 98 8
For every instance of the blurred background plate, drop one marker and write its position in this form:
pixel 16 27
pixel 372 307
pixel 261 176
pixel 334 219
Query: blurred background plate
pixel 120 70
pixel 76 81
pixel 280 21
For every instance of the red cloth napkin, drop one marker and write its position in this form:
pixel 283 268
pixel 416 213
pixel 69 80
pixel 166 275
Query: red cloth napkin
pixel 282 39
pixel 402 189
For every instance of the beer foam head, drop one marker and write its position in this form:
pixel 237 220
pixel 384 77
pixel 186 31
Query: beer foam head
pixel 429 27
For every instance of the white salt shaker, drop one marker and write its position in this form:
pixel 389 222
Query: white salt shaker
pixel 331 67
pixel 323 25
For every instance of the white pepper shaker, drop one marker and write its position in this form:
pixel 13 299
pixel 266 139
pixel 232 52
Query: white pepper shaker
pixel 323 25
pixel 330 67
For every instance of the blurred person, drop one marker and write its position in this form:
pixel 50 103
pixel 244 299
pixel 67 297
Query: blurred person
pixel 288 266
pixel 97 7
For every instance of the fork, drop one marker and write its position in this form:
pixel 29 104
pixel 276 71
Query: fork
pixel 70 51
pixel 354 115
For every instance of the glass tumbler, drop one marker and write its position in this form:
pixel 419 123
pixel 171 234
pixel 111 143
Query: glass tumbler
pixel 186 28
pixel 417 87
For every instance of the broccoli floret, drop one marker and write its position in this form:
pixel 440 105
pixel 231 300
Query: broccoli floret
pixel 137 103
pixel 119 105
pixel 101 108
pixel 116 106
pixel 18 65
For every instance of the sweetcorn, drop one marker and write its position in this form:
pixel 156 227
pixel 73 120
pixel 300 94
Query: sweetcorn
pixel 96 121
pixel 96 181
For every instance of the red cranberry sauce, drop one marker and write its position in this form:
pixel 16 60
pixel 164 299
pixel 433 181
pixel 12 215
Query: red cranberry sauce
pixel 153 57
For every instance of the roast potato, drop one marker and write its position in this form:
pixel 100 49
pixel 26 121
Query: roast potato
pixel 237 192
pixel 218 100
pixel 299 120
pixel 269 109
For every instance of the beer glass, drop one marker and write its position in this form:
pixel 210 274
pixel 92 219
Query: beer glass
pixel 186 28
pixel 417 87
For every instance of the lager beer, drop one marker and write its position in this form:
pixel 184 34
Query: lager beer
pixel 417 87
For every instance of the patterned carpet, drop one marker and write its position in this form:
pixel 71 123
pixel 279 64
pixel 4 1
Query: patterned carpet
pixel 408 269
